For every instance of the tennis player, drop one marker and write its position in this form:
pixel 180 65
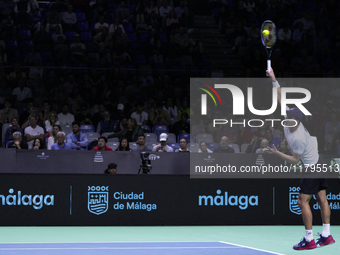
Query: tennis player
pixel 304 147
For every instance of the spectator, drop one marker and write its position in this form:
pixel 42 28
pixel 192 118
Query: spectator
pixel 158 116
pixel 164 10
pixel 170 108
pixel 182 126
pixel 183 143
pixel 33 131
pixel 42 39
pixel 263 149
pixel 8 28
pixel 111 169
pixel 60 144
pixel 243 135
pixel 283 147
pixel 18 143
pixel 204 148
pixel 139 115
pixel 184 108
pixel 84 117
pixel 51 122
pixel 297 34
pixel 172 22
pixel 141 144
pixel 22 92
pixel 78 50
pixel 187 21
pixel 65 117
pixel 140 13
pixel 69 19
pixel 332 128
pixel 26 116
pixel 53 137
pixel 182 39
pixel 99 26
pixel 131 132
pixel 123 13
pixel 32 56
pixel 224 146
pixel 255 143
pixel 308 24
pixel 53 19
pixel 103 42
pixel 12 129
pixel 152 13
pixel 106 124
pixel 100 8
pixel 61 51
pixel 284 36
pixel 8 113
pixel 58 33
pixel 115 25
pixel 102 141
pixel 180 9
pixel 163 147
pixel 77 140
pixel 46 109
pixel 272 140
pixel 38 144
pixel 227 131
pixel 123 145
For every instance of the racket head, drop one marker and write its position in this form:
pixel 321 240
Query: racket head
pixel 268 40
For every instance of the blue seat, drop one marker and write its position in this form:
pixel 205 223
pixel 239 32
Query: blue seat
pixel 81 16
pixel 87 128
pixel 143 37
pixel 46 56
pixel 188 137
pixel 86 36
pixel 163 38
pixel 25 44
pixel 139 59
pixel 175 146
pixel 132 37
pixel 128 28
pixel 70 35
pixel 25 35
pixel 11 44
pixel 146 128
pixel 8 142
pixel 213 146
pixel 158 129
pixel 83 26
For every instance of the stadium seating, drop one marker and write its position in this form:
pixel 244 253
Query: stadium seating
pixel 244 147
pixel 188 137
pixel 208 138
pixel 150 137
pixel 87 128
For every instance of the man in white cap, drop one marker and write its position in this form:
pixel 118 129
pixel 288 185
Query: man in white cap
pixel 163 147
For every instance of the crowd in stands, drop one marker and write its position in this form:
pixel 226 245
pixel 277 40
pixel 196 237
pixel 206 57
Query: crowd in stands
pixel 101 75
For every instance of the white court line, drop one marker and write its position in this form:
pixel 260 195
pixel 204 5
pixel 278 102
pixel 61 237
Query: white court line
pixel 114 242
pixel 251 248
pixel 118 248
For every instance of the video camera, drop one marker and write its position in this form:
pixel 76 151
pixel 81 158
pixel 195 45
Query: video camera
pixel 146 162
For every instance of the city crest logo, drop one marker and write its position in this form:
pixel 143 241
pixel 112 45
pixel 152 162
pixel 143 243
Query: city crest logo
pixel 98 199
pixel 293 200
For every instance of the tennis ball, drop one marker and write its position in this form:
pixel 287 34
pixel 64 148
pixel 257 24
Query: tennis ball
pixel 265 32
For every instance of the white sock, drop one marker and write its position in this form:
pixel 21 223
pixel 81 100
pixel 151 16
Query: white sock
pixel 326 230
pixel 309 235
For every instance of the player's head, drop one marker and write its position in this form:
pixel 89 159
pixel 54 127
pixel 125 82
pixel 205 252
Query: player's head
pixel 295 113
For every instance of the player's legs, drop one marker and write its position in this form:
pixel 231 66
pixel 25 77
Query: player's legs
pixel 307 215
pixel 324 206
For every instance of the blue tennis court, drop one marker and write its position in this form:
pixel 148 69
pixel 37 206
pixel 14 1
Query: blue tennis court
pixel 129 248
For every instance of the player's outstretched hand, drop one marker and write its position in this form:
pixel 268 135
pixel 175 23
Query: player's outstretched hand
pixel 273 150
pixel 271 74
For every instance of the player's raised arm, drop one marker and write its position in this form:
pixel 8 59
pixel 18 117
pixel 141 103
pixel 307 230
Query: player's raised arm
pixel 275 83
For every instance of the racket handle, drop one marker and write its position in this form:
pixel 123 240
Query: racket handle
pixel 268 65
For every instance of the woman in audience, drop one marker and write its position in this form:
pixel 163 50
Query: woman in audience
pixel 282 147
pixel 53 138
pixel 183 143
pixel 204 148
pixel 52 120
pixel 123 145
pixel 38 144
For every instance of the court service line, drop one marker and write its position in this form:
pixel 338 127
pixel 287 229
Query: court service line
pixel 117 248
pixel 252 248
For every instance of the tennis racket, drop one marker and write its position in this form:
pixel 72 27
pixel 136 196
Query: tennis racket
pixel 268 38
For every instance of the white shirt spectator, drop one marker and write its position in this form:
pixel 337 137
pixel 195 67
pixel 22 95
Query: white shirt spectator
pixel 100 26
pixel 282 35
pixel 140 118
pixel 179 11
pixel 22 94
pixel 34 131
pixel 163 12
pixel 113 28
pixel 172 111
pixel 69 18
pixel 49 127
pixel 167 147
pixel 65 119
